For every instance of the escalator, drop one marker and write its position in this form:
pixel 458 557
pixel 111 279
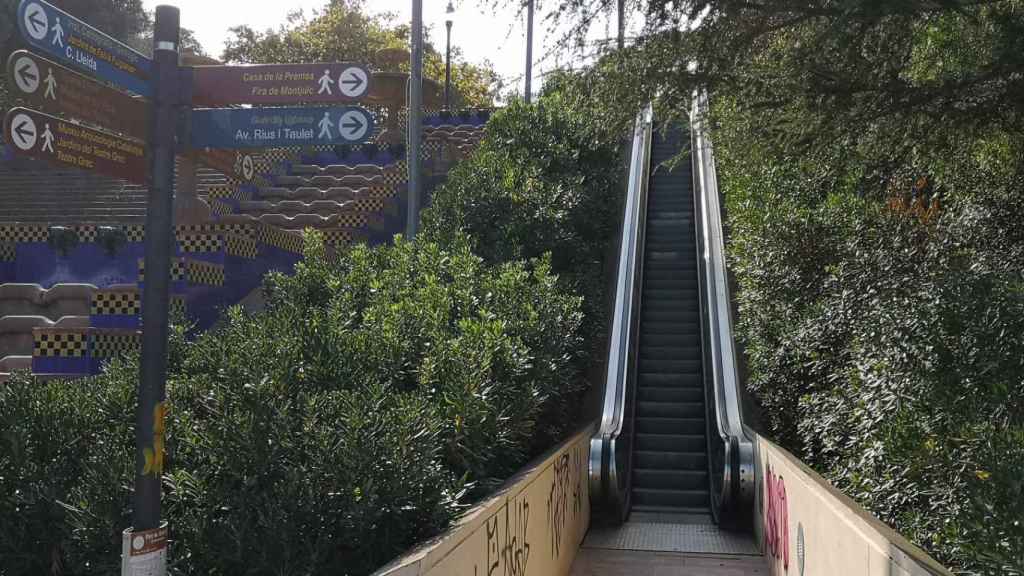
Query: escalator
pixel 669 472
pixel 671 450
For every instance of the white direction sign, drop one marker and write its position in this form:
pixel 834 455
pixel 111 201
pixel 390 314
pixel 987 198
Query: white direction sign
pixel 23 131
pixel 26 74
pixel 38 24
pixel 248 168
pixel 353 82
pixel 353 126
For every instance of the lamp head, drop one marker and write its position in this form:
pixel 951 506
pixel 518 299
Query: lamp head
pixel 449 14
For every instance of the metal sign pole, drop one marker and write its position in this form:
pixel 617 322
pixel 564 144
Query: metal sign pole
pixel 414 101
pixel 145 544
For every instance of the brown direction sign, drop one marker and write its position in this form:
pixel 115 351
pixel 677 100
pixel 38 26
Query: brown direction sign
pixel 53 88
pixel 279 84
pixel 32 133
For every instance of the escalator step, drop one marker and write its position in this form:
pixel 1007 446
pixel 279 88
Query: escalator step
pixel 682 314
pixel 670 410
pixel 670 352
pixel 652 327
pixel 675 498
pixel 669 394
pixel 670 425
pixel 687 266
pixel 670 479
pixel 670 460
pixel 671 443
pixel 666 304
pixel 674 366
pixel 655 294
pixel 678 281
pixel 669 340
pixel 692 380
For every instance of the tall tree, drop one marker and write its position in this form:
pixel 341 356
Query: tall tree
pixel 345 30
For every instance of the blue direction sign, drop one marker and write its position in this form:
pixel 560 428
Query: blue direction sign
pixel 279 127
pixel 52 31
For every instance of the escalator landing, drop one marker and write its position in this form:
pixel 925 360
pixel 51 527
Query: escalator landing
pixel 656 544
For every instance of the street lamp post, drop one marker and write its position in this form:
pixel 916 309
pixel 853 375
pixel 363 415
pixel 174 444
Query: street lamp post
pixel 448 57
pixel 529 49
pixel 415 123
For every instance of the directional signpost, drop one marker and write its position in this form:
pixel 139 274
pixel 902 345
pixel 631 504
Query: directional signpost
pixel 279 84
pixel 70 41
pixel 279 127
pixel 43 136
pixel 55 89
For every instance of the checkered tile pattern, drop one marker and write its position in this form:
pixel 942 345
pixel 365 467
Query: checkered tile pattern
pixel 200 272
pixel 337 237
pixel 368 204
pixel 104 344
pixel 382 192
pixel 116 302
pixel 274 236
pixel 178 308
pixel 221 192
pixel 352 219
pixel 250 231
pixel 86 233
pixel 241 246
pixel 7 252
pixel 52 343
pixel 24 233
pixel 202 242
pixel 395 178
pixel 177 269
pixel 135 232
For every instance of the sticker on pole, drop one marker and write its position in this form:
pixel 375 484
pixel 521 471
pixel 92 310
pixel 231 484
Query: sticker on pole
pixel 144 553
pixel 248 168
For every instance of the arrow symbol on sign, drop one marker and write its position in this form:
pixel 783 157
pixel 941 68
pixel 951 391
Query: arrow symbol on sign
pixel 24 134
pixel 26 74
pixel 33 17
pixel 354 126
pixel 354 82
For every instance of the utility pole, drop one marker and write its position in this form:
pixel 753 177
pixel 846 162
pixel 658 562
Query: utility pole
pixel 448 57
pixel 415 124
pixel 529 49
pixel 622 24
pixel 145 542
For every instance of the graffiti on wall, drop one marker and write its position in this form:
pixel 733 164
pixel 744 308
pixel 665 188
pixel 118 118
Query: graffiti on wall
pixel 565 497
pixel 776 517
pixel 508 551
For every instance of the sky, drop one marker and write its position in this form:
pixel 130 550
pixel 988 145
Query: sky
pixel 482 32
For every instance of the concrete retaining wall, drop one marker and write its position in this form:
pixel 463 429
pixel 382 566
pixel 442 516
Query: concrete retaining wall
pixel 532 527
pixel 805 526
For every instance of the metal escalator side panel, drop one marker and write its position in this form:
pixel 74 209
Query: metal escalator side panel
pixel 610 446
pixel 732 460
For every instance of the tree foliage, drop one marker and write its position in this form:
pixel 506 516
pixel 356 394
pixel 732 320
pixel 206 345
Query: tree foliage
pixel 344 30
pixel 872 159
pixel 351 419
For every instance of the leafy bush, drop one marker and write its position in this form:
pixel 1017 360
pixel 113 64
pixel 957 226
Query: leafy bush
pixel 884 336
pixel 324 435
pixel 546 178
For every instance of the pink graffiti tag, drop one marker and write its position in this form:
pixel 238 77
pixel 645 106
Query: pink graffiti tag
pixel 776 517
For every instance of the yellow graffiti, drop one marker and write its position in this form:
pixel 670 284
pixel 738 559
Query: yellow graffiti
pixel 155 455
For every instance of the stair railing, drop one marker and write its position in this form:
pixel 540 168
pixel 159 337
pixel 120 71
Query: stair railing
pixel 611 445
pixel 730 449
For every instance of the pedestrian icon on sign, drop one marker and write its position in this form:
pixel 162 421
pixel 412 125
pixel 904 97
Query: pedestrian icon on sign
pixel 58 33
pixel 325 126
pixel 325 82
pixel 51 84
pixel 47 139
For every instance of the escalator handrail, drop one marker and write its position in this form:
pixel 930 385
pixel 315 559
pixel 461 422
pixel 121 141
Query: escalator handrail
pixel 603 475
pixel 738 487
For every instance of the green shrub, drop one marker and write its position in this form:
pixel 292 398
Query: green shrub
pixel 324 435
pixel 885 341
pixel 547 178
